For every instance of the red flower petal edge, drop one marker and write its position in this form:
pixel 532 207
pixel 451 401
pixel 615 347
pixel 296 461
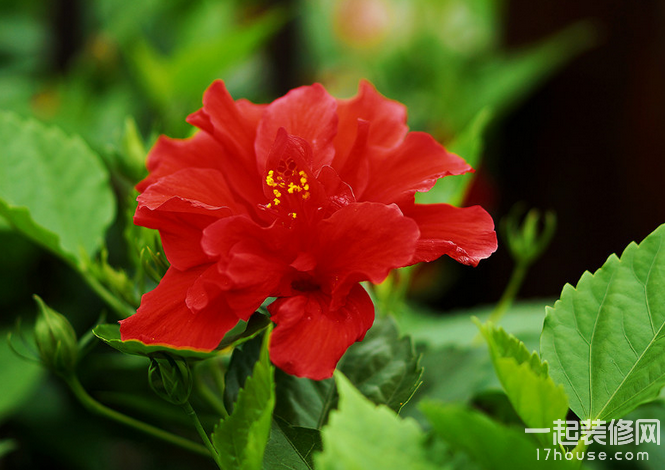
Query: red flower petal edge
pixel 301 200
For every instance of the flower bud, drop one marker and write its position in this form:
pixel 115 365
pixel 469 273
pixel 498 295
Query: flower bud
pixel 170 378
pixel 56 340
pixel 526 241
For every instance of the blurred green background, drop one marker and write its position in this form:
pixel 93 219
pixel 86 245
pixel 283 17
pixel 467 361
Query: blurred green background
pixel 560 105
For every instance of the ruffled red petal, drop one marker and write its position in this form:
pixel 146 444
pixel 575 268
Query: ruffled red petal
pixel 361 242
pixel 465 234
pixel 180 206
pixel 163 317
pixel 387 120
pixel 415 165
pixel 310 337
pixel 308 112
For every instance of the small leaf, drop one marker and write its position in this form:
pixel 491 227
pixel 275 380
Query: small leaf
pixel 491 444
pixel 291 447
pixel 605 338
pixel 241 438
pixel 53 188
pixel 361 436
pixel 525 379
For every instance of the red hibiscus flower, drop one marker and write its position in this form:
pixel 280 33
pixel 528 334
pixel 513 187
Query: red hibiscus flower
pixel 300 200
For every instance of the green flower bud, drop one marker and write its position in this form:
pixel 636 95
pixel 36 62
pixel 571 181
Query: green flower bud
pixel 528 240
pixel 170 378
pixel 56 340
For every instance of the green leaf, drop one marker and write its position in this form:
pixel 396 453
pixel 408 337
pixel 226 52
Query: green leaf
pixel 291 447
pixel 241 438
pixel 361 436
pixel 604 338
pixel 491 444
pixel 469 145
pixel 110 334
pixel 53 188
pixel 384 367
pixel 525 379
pixel 304 402
pixel 17 376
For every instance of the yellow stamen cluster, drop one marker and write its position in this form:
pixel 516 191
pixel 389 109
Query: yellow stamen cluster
pixel 278 181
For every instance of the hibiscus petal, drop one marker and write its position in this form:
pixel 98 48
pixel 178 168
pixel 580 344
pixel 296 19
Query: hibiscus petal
pixel 170 155
pixel 253 260
pixel 163 317
pixel 361 242
pixel 387 120
pixel 308 112
pixel 415 165
pixel 465 234
pixel 233 125
pixel 192 190
pixel 310 338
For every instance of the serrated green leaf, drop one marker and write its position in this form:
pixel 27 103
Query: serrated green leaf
pixel 53 188
pixel 605 338
pixel 241 438
pixel 492 445
pixel 304 402
pixel 362 436
pixel 384 367
pixel 525 379
pixel 291 447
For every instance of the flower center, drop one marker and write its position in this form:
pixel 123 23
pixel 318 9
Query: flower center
pixel 287 183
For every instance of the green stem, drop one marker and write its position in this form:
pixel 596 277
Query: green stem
pixel 516 280
pixel 204 436
pixel 95 407
pixel 580 447
pixel 119 307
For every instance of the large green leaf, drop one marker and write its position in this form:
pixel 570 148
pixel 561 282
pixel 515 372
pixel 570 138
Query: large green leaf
pixel 291 447
pixel 53 188
pixel 604 338
pixel 241 438
pixel 492 445
pixel 525 379
pixel 363 436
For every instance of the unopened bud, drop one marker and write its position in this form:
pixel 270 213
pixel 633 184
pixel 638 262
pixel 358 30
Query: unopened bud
pixel 170 378
pixel 56 340
pixel 527 241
